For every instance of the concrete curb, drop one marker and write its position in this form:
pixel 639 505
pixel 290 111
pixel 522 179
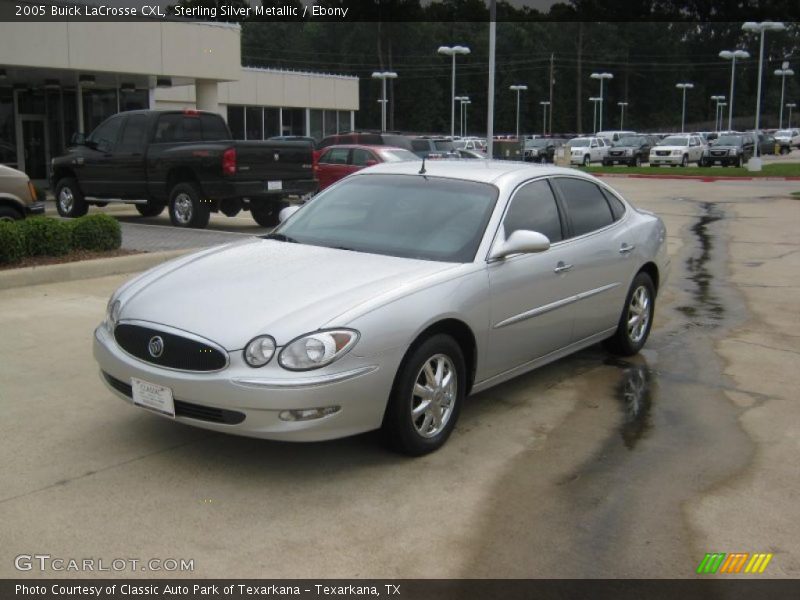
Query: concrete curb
pixel 86 269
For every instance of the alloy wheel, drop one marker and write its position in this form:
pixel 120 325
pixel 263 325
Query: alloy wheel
pixel 639 314
pixel 66 200
pixel 183 208
pixel 434 395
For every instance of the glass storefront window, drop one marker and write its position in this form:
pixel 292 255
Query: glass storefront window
pixel 134 100
pixel 254 123
pixel 344 121
pixel 236 121
pixel 8 133
pixel 272 122
pixel 98 105
pixel 294 121
pixel 330 122
pixel 316 124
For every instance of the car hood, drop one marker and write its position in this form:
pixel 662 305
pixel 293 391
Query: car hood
pixel 624 147
pixel 654 148
pixel 235 292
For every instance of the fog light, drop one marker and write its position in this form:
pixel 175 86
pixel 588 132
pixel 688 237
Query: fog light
pixel 308 414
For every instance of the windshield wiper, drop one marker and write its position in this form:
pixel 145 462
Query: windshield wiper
pixel 281 238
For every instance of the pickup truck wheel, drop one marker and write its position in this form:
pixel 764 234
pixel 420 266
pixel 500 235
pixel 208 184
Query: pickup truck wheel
pixel 685 161
pixel 186 208
pixel 8 214
pixel 69 199
pixel 151 209
pixel 266 213
pixel 586 160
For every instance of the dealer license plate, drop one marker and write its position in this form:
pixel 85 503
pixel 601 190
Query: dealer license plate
pixel 153 397
pixel 274 186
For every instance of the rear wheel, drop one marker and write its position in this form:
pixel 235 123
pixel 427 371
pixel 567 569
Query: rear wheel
pixel 151 209
pixel 426 398
pixel 186 207
pixel 266 213
pixel 637 318
pixel 69 199
pixel 8 214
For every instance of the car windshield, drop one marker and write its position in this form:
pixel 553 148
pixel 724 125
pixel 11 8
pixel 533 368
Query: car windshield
pixel 674 140
pixel 537 143
pixel 783 133
pixel 729 140
pixel 408 216
pixel 579 143
pixel 446 145
pixel 397 155
pixel 628 141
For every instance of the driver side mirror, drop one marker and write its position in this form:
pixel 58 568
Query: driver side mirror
pixel 521 241
pixel 287 212
pixel 78 139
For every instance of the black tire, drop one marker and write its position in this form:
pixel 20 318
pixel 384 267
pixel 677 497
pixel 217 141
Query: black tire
pixel 637 162
pixel 69 199
pixel 267 213
pixel 606 164
pixel 186 207
pixel 9 214
pixel 685 161
pixel 625 342
pixel 586 160
pixel 653 165
pixel 738 162
pixel 401 429
pixel 151 209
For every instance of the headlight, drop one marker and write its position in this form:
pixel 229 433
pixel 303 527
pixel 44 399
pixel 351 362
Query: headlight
pixel 677 152
pixel 733 152
pixel 112 313
pixel 315 350
pixel 628 152
pixel 259 351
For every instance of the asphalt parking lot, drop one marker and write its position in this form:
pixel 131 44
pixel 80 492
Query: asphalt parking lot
pixel 589 467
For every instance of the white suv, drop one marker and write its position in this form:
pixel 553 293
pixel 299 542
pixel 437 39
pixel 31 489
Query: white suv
pixel 586 150
pixel 792 136
pixel 678 149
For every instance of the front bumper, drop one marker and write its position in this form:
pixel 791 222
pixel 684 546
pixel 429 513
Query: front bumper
pixel 245 401
pixel 37 208
pixel 665 160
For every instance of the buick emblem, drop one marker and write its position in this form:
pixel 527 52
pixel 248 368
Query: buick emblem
pixel 155 346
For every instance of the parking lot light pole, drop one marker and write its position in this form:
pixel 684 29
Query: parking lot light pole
pixel 465 104
pixel 383 76
pixel 460 100
pixel 717 117
pixel 790 106
pixel 544 104
pixel 762 28
pixel 732 55
pixel 684 87
pixel 518 88
pixel 594 100
pixel 722 106
pixel 452 51
pixel 602 77
pixel 622 106
pixel 782 73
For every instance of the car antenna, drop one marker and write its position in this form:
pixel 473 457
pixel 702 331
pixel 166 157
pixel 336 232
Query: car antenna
pixel 422 168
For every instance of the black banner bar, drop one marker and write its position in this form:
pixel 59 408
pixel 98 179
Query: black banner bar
pixel 405 589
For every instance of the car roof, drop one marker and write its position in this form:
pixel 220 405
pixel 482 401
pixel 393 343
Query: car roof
pixel 377 147
pixel 484 171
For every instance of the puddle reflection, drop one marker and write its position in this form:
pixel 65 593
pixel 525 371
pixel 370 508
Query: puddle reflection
pixel 635 391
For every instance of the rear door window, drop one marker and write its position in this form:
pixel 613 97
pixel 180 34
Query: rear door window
pixel 586 206
pixel 133 135
pixel 335 156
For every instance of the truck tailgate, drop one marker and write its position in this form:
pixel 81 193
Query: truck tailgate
pixel 273 161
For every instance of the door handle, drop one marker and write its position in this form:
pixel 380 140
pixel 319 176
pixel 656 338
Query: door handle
pixel 625 248
pixel 562 268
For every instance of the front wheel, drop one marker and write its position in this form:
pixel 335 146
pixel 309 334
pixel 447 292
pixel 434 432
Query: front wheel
pixel 586 161
pixel 637 162
pixel 685 161
pixel 637 318
pixel 69 199
pixel 8 214
pixel 186 207
pixel 426 397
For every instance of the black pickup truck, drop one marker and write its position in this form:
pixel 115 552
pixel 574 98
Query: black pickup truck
pixel 182 159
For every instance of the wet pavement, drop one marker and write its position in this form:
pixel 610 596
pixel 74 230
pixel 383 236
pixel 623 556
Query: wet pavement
pixel 593 466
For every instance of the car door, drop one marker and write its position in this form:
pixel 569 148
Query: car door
pixel 602 265
pixel 695 149
pixel 532 295
pixel 331 165
pixel 96 175
pixel 129 160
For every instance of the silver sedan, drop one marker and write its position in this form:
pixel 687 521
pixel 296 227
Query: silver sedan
pixel 386 301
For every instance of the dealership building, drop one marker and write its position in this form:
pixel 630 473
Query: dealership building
pixel 58 78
